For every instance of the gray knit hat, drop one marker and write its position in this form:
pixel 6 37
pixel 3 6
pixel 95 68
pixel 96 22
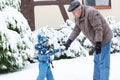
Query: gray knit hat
pixel 73 5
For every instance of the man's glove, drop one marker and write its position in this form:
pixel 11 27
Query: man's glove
pixel 98 47
pixel 67 44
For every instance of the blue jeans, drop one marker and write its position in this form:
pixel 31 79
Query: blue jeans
pixel 102 63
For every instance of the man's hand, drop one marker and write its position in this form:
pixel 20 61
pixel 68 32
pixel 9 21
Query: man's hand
pixel 67 44
pixel 98 47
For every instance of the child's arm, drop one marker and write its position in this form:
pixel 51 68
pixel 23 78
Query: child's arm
pixel 38 46
pixel 53 52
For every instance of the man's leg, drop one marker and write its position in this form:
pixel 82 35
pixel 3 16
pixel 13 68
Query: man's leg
pixel 49 74
pixel 102 63
pixel 96 75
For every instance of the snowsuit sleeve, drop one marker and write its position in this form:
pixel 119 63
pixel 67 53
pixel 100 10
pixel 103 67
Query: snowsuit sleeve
pixel 37 46
pixel 53 52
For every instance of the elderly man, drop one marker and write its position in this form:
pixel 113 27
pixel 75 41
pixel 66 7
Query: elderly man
pixel 95 28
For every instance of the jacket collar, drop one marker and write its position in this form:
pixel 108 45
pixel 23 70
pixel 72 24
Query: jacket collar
pixel 81 18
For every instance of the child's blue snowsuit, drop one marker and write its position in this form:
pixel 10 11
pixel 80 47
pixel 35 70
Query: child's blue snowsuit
pixel 44 62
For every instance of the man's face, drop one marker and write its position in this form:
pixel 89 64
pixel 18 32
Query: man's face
pixel 77 12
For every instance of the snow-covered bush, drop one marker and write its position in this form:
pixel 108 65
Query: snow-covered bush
pixel 16 39
pixel 11 3
pixel 116 38
pixel 115 26
pixel 59 37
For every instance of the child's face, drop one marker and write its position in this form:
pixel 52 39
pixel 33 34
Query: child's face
pixel 46 43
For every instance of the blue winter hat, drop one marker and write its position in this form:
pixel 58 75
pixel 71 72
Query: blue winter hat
pixel 73 5
pixel 45 39
pixel 42 39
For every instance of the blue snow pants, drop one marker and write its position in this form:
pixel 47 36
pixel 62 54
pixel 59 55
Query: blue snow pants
pixel 45 71
pixel 102 63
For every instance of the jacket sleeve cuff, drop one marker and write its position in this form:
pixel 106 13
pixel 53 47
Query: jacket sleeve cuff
pixel 69 41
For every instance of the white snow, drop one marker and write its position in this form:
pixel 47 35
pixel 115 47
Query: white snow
pixel 80 68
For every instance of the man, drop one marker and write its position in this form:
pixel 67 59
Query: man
pixel 95 28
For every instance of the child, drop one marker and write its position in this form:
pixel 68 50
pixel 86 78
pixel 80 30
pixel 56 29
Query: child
pixel 44 58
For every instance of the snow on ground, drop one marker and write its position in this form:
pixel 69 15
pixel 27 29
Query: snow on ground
pixel 80 68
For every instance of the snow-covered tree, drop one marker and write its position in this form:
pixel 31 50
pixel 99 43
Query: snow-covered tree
pixel 16 37
pixel 11 3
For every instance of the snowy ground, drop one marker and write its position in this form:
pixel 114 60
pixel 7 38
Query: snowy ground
pixel 67 69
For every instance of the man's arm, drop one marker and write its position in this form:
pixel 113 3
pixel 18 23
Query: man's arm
pixel 96 22
pixel 76 31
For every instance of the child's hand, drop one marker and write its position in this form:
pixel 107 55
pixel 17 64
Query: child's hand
pixel 62 47
pixel 39 46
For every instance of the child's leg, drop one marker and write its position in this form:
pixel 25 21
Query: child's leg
pixel 49 74
pixel 42 71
